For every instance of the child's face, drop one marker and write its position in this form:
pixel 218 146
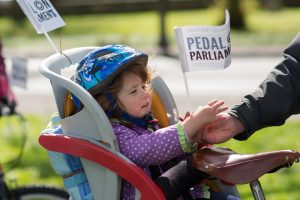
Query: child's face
pixel 134 97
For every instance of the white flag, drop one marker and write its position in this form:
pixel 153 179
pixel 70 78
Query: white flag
pixel 41 14
pixel 204 47
pixel 18 76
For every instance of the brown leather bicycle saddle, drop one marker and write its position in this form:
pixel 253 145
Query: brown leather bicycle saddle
pixel 234 168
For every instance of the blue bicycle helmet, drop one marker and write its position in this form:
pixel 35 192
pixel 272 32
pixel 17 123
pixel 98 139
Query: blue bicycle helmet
pixel 99 68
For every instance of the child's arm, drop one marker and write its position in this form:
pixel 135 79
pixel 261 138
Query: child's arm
pixel 146 148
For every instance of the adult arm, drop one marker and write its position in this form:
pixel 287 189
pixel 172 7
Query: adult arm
pixel 276 98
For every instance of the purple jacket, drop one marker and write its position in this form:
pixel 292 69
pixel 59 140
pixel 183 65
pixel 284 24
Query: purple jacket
pixel 146 148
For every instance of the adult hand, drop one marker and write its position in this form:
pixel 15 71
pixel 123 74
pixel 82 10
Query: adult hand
pixel 222 129
pixel 194 123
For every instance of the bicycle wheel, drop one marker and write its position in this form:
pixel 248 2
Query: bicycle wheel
pixel 36 192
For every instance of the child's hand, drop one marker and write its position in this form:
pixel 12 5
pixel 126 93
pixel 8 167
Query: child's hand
pixel 207 135
pixel 187 114
pixel 209 112
pixel 195 123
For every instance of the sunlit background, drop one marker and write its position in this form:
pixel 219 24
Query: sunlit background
pixel 260 30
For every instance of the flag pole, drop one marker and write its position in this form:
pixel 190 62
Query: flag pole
pixel 51 42
pixel 187 92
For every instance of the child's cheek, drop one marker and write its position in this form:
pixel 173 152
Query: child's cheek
pixel 150 97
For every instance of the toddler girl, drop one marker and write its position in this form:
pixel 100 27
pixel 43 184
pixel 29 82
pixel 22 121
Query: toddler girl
pixel 118 77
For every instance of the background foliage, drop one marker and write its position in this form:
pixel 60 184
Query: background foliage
pixel 264 27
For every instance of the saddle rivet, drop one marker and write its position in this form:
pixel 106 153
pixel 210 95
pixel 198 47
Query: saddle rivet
pixel 287 158
pixel 206 166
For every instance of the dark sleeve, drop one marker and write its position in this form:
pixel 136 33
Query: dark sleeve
pixel 276 98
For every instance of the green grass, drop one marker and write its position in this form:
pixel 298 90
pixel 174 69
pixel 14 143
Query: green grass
pixel 35 168
pixel 285 182
pixel 269 28
pixel 142 28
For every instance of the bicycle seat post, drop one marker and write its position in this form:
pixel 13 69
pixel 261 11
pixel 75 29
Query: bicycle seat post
pixel 257 190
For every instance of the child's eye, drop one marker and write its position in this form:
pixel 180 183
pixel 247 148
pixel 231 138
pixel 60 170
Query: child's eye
pixel 133 91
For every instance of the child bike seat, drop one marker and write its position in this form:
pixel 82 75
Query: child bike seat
pixel 88 134
pixel 234 168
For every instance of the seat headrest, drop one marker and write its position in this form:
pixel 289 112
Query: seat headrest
pixel 159 111
pixel 69 107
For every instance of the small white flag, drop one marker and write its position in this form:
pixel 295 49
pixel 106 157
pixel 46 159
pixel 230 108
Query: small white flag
pixel 204 47
pixel 41 14
pixel 18 75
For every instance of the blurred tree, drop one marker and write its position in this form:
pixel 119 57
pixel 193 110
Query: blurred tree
pixel 163 42
pixel 272 4
pixel 237 14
